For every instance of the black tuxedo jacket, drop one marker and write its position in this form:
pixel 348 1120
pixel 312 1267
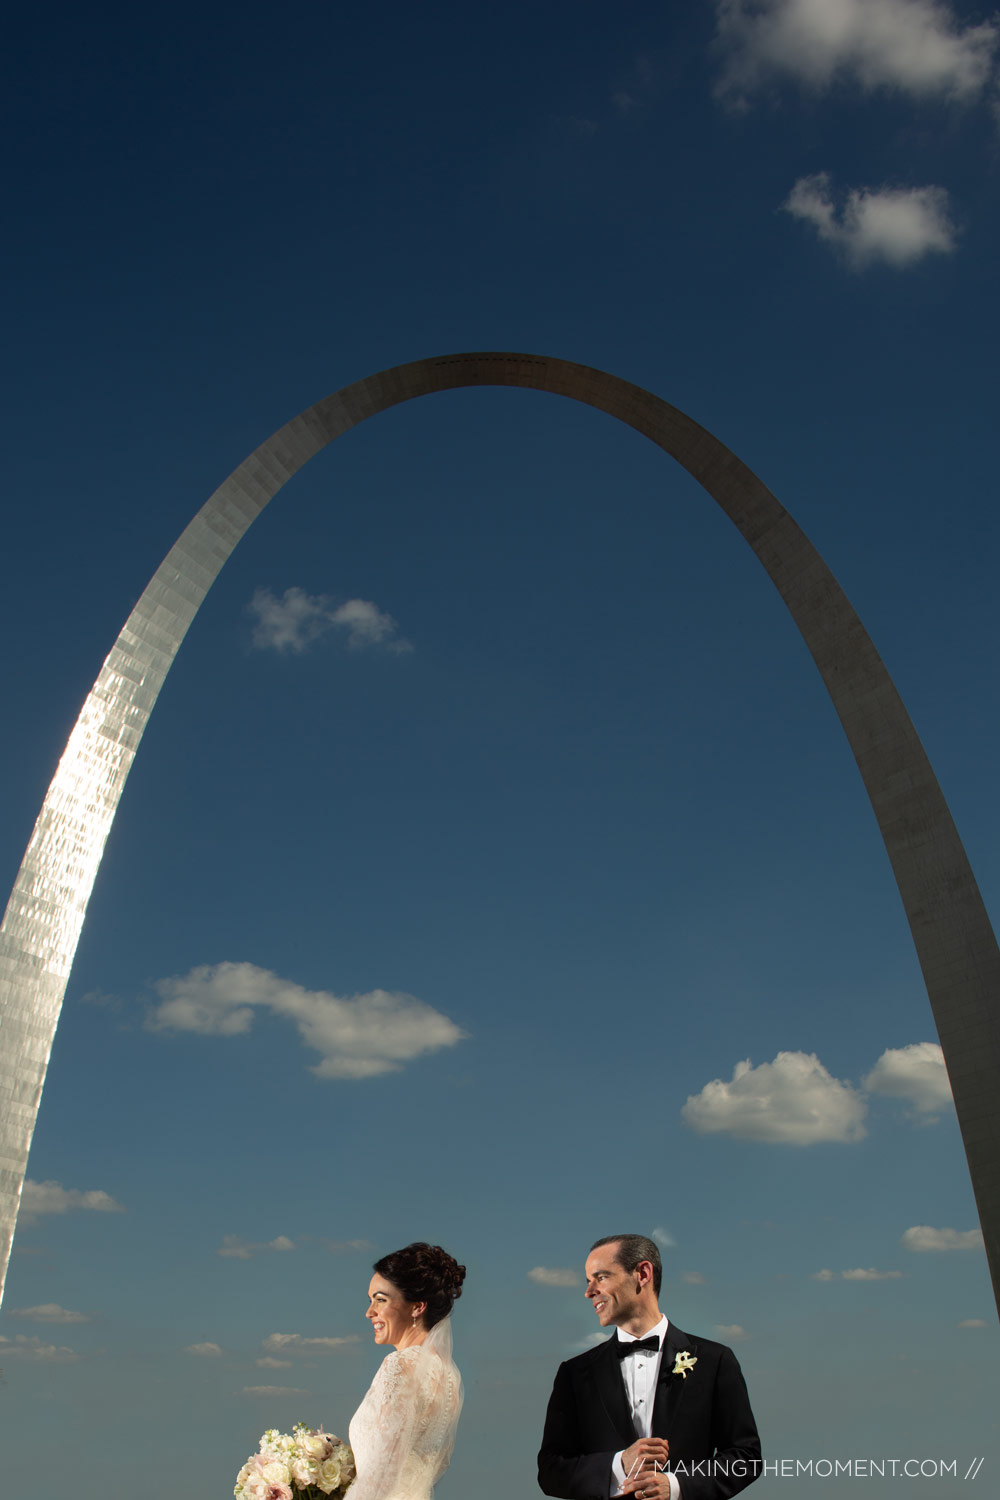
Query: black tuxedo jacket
pixel 705 1415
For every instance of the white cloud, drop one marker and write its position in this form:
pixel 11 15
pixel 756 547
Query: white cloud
pixel 973 1323
pixel 33 1349
pixel 664 1239
pixel 296 1344
pixel 592 1340
pixel 918 47
pixel 267 1363
pixel 790 1101
pixel 916 1073
pixel 860 1274
pixel 204 1351
pixel 294 621
pixel 290 623
pixel 272 1392
pixel 693 1278
pixel 637 86
pixel 897 226
pixel 367 625
pixel 235 1248
pixel 359 1036
pixel 38 1198
pixel 923 1237
pixel 554 1276
pixel 731 1332
pixel 48 1312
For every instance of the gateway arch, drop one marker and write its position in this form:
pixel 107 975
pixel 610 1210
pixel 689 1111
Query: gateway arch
pixel 951 931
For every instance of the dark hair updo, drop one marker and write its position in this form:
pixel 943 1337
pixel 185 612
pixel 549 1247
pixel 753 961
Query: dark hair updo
pixel 424 1273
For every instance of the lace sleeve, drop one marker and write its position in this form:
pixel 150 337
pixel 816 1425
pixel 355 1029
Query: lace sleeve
pixel 389 1419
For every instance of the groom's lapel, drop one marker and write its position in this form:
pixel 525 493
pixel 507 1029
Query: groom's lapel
pixel 671 1388
pixel 611 1389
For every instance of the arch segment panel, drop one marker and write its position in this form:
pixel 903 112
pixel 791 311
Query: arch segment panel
pixel 951 931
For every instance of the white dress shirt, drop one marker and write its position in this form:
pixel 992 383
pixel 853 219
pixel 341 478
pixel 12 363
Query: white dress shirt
pixel 640 1372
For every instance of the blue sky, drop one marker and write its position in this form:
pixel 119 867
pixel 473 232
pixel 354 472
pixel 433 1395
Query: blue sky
pixel 447 885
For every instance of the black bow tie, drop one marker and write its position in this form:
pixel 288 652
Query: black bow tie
pixel 632 1346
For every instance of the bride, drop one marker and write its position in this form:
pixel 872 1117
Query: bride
pixel 403 1432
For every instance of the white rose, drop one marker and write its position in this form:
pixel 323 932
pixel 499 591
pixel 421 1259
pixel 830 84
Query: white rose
pixel 317 1445
pixel 328 1478
pixel 276 1472
pixel 304 1470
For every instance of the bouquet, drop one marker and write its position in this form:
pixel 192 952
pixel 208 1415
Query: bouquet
pixel 301 1463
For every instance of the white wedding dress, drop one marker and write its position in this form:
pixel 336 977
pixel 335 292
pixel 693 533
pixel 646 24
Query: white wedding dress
pixel 403 1432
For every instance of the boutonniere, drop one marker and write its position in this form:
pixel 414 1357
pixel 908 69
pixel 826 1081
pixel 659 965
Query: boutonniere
pixel 683 1363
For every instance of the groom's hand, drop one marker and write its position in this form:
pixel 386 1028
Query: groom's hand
pixel 640 1458
pixel 648 1485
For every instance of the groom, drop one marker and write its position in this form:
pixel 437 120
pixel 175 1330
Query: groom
pixel 647 1400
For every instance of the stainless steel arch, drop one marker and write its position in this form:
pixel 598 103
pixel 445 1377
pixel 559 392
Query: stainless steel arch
pixel 957 949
